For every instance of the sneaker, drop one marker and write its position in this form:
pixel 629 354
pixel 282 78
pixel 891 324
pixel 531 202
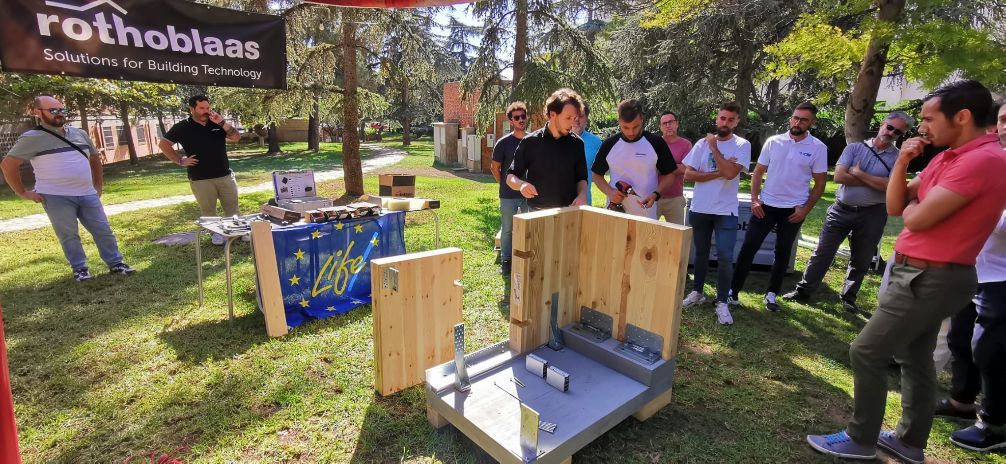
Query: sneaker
pixel 731 300
pixel 850 307
pixel 121 268
pixel 723 314
pixel 217 239
pixel 947 409
pixel 797 296
pixel 770 303
pixel 978 437
pixel 841 445
pixel 693 299
pixel 82 274
pixel 505 268
pixel 246 238
pixel 890 442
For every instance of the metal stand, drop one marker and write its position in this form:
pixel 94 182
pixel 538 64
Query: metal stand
pixel 229 239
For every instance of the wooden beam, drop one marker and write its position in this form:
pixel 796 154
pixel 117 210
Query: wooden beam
pixel 267 274
pixel 654 406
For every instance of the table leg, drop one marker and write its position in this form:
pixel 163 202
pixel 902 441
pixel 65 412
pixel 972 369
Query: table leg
pixel 436 223
pixel 227 267
pixel 199 264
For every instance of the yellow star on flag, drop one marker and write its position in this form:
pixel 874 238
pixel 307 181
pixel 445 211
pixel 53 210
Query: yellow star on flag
pixel 339 226
pixel 375 241
pixel 299 254
pixel 316 234
pixel 330 308
pixel 294 280
pixel 358 228
pixel 303 303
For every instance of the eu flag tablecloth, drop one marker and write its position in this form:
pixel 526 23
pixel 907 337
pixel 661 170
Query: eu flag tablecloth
pixel 324 269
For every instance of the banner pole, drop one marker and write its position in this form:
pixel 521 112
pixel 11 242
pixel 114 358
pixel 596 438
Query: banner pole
pixel 9 452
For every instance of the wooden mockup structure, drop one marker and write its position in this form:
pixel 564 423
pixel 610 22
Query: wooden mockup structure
pixel 599 288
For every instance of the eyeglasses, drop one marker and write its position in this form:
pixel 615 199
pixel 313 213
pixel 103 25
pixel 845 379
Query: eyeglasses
pixel 895 130
pixel 799 119
pixel 672 121
pixel 57 111
pixel 519 117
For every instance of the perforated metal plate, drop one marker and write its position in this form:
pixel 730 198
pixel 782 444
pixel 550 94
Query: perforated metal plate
pixel 642 344
pixel 461 382
pixel 594 324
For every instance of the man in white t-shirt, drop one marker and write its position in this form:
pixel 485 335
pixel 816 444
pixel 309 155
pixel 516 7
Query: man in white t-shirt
pixel 791 160
pixel 637 158
pixel 714 165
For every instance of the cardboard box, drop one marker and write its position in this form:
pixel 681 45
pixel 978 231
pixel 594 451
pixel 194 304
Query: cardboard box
pixel 397 185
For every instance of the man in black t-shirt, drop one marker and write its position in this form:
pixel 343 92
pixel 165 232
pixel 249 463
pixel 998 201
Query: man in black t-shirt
pixel 549 167
pixel 204 136
pixel 511 201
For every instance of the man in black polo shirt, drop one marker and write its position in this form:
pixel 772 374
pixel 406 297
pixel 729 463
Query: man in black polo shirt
pixel 204 136
pixel 549 167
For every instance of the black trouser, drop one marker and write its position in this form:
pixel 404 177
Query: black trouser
pixel 977 342
pixel 758 229
pixel 864 225
pixel 965 380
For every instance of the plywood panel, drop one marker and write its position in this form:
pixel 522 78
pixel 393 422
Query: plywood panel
pixel 413 324
pixel 267 274
pixel 602 258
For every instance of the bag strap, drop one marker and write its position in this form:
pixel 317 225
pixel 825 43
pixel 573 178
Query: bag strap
pixel 868 147
pixel 39 127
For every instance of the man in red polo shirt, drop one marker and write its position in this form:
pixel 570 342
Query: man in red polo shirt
pixel 949 211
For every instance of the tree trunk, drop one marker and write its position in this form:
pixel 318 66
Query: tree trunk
pixel 84 122
pixel 352 165
pixel 745 79
pixel 127 130
pixel 520 41
pixel 273 140
pixel 313 135
pixel 160 122
pixel 407 118
pixel 859 110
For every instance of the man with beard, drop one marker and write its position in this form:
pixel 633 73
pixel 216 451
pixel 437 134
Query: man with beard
pixel 204 137
pixel 859 211
pixel 949 211
pixel 511 201
pixel 714 164
pixel 791 160
pixel 549 168
pixel 637 158
pixel 68 183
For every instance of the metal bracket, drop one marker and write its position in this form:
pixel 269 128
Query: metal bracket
pixel 461 381
pixel 555 339
pixel 594 324
pixel 547 426
pixel 641 344
pixel 389 279
pixel 528 433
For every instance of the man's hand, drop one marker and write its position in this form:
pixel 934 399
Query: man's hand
pixel 799 214
pixel 711 140
pixel 855 171
pixel 912 148
pixel 528 190
pixel 216 118
pixel 581 200
pixel 187 161
pixel 756 209
pixel 31 195
pixel 615 196
pixel 649 200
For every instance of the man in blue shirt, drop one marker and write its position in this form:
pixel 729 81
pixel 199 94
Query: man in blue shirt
pixel 591 142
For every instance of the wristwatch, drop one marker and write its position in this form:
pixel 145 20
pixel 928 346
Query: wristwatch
pixel 182 160
pixel 657 194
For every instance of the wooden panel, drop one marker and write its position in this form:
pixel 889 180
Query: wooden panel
pixel 413 325
pixel 654 406
pixel 546 259
pixel 602 258
pixel 267 273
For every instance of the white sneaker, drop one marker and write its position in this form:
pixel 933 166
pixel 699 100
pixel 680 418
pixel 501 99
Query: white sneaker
pixel 731 300
pixel 693 299
pixel 723 314
pixel 217 239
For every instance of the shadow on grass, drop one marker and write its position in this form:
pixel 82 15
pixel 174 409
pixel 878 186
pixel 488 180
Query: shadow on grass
pixel 478 177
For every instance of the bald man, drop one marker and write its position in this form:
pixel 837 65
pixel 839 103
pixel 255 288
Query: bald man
pixel 68 184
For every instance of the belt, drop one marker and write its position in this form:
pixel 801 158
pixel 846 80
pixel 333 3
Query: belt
pixel 902 258
pixel 857 208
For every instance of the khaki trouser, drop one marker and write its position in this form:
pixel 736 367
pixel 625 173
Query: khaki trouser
pixel 905 326
pixel 208 191
pixel 672 210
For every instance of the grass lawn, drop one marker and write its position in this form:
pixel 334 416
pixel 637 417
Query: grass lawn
pixel 117 367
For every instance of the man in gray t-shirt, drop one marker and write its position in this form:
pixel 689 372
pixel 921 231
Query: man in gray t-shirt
pixel 68 183
pixel 859 211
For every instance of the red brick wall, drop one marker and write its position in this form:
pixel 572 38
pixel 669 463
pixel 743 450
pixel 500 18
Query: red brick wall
pixel 456 110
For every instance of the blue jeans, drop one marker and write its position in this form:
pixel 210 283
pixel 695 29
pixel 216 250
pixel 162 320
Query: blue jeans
pixel 509 207
pixel 703 228
pixel 64 211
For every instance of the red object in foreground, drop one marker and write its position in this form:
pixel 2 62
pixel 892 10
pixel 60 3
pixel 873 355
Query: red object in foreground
pixel 390 3
pixel 9 453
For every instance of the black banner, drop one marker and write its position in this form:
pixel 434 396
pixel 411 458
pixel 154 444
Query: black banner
pixel 173 41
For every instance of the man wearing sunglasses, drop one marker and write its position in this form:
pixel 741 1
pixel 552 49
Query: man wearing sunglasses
pixel 859 211
pixel 511 201
pixel 68 183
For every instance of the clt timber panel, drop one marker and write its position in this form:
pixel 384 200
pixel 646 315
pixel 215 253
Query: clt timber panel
pixel 417 302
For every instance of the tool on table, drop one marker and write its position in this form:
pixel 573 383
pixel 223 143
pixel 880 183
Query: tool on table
pixel 536 365
pixel 517 381
pixel 557 378
pixel 461 381
pixel 547 426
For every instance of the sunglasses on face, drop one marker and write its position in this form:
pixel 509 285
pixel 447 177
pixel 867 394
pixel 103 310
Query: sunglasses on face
pixel 57 111
pixel 519 117
pixel 895 130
